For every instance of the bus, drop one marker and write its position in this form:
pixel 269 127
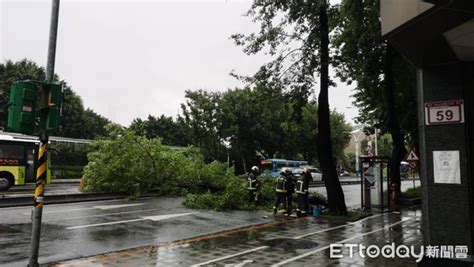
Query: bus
pixel 273 167
pixel 19 157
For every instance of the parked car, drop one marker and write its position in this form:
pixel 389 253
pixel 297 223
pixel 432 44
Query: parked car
pixel 315 173
pixel 296 172
pixel 344 173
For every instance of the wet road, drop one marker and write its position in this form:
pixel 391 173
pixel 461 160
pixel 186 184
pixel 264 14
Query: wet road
pixel 352 192
pixel 90 228
pixel 298 242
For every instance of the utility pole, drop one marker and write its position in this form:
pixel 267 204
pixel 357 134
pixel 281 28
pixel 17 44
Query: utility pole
pixel 376 147
pixel 356 138
pixel 41 171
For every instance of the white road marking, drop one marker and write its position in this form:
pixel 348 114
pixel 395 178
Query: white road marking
pixel 298 237
pixel 108 207
pixel 230 256
pixel 166 216
pixel 240 264
pixel 102 215
pixel 340 242
pixel 101 224
pixel 152 218
pixel 103 207
pixel 339 226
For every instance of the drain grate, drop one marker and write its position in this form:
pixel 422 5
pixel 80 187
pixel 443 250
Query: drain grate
pixel 290 243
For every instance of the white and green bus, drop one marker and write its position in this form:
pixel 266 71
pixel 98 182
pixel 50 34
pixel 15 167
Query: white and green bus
pixel 18 157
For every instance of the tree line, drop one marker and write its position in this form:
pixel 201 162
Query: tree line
pixel 240 126
pixel 245 125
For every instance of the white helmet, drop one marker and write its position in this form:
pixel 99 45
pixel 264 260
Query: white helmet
pixel 285 171
pixel 255 169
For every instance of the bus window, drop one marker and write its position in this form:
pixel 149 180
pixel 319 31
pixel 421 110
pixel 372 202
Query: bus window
pixel 274 166
pixel 13 152
pixel 266 167
pixel 281 165
pixel 30 165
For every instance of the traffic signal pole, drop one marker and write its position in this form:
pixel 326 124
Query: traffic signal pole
pixel 53 33
pixel 42 166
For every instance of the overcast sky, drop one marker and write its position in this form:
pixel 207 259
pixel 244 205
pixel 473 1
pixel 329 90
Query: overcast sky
pixel 128 59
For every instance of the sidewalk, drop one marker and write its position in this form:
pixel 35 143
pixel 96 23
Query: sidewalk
pixel 293 242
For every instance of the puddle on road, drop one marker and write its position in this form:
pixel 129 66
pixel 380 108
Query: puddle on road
pixel 289 243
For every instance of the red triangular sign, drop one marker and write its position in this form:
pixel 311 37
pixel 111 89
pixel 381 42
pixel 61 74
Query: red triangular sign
pixel 412 156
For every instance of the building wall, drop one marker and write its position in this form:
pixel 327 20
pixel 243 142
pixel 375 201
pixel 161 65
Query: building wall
pixel 447 208
pixel 396 12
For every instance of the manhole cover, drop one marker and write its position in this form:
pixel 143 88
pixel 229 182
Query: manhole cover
pixel 290 243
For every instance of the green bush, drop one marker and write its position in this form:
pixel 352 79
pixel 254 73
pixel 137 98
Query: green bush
pixel 67 171
pixel 134 165
pixel 234 196
pixel 412 193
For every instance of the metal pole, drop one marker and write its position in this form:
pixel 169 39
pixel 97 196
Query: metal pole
pixel 41 171
pixel 356 138
pixel 388 186
pixel 53 32
pixel 37 212
pixel 357 159
pixel 362 189
pixel 381 182
pixel 376 148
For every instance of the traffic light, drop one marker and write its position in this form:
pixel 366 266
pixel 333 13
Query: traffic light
pixel 22 107
pixel 34 107
pixel 50 106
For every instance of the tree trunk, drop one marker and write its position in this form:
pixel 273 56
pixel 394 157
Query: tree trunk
pixel 244 164
pixel 335 194
pixel 399 151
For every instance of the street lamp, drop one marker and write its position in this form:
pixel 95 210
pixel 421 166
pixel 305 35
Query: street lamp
pixel 226 142
pixel 356 134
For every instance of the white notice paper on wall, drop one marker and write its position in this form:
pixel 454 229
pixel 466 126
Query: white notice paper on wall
pixel 446 167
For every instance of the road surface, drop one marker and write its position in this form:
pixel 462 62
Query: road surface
pixel 352 192
pixel 78 230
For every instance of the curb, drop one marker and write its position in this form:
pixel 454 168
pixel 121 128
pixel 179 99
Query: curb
pixel 65 181
pixel 58 199
pixel 321 184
